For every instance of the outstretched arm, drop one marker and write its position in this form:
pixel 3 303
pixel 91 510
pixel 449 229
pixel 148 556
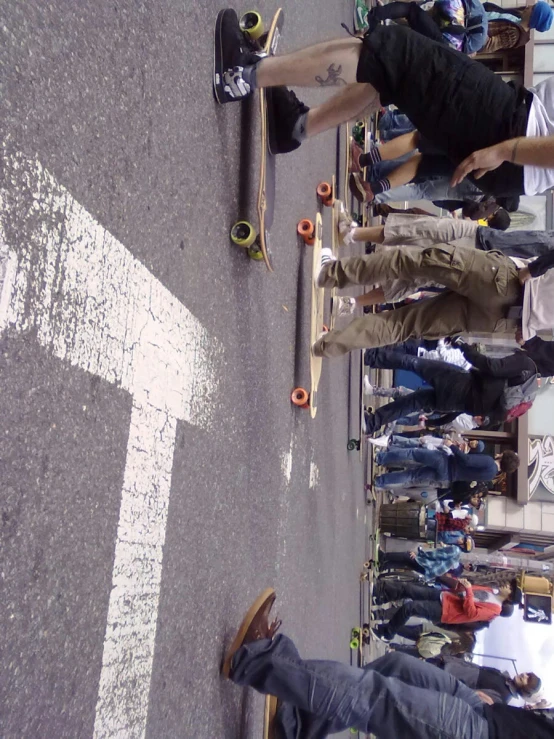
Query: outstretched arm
pixel 537 151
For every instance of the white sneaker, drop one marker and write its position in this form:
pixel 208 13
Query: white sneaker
pixel 382 441
pixel 326 257
pixel 345 225
pixel 344 305
pixel 321 335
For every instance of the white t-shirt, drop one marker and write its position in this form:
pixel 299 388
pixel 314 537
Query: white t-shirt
pixel 540 123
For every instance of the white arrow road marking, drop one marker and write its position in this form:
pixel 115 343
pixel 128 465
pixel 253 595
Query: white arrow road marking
pixel 89 302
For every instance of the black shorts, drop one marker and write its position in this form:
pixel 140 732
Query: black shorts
pixel 454 101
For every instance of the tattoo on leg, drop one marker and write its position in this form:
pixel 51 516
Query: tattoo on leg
pixel 333 77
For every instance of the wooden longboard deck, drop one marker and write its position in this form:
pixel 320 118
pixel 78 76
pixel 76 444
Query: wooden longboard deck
pixel 316 324
pixel 270 707
pixel 348 138
pixel 334 246
pixel 266 188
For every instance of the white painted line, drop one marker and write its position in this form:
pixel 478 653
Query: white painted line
pixel 314 475
pixel 90 303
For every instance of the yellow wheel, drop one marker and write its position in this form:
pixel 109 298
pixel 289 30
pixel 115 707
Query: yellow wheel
pixel 254 252
pixel 243 234
pixel 252 24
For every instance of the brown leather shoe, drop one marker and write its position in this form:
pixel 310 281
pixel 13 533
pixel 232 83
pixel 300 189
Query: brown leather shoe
pixel 355 154
pixel 255 625
pixel 360 189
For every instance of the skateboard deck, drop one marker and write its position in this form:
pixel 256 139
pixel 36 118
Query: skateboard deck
pixel 334 247
pixel 270 708
pixel 316 323
pixel 244 233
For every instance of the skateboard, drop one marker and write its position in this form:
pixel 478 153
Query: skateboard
pixel 334 247
pixel 312 235
pixel 270 708
pixel 243 233
pixel 358 637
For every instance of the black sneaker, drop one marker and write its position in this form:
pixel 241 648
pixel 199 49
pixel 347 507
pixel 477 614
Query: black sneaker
pixel 231 56
pixel 283 111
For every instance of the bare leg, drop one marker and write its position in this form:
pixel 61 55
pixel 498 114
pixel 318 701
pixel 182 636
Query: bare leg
pixel 375 234
pixel 375 296
pixel 329 64
pixel 405 172
pixel 349 103
pixel 399 146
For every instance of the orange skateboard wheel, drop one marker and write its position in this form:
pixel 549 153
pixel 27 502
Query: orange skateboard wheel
pixel 306 230
pixel 324 192
pixel 300 397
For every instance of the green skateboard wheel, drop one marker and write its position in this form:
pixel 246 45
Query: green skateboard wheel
pixel 252 25
pixel 255 253
pixel 354 644
pixel 243 234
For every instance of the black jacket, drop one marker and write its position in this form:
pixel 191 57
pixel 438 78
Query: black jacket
pixel 489 376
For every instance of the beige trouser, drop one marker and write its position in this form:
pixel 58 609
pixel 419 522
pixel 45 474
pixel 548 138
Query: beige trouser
pixel 406 229
pixel 481 287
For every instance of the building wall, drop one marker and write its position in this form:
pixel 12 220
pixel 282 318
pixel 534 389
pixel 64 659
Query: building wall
pixel 504 514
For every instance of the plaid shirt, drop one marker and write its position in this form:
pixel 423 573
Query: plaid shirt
pixel 446 523
pixel 436 562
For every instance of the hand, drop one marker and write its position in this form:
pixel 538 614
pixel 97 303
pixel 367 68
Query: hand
pixel 524 275
pixel 519 337
pixel 448 442
pixel 485 698
pixel 412 555
pixel 464 582
pixel 482 161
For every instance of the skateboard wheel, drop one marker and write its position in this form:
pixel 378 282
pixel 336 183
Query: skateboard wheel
pixel 353 730
pixel 300 397
pixel 243 234
pixel 306 230
pixel 252 25
pixel 324 193
pixel 367 564
pixel 254 252
pixel 364 576
pixel 354 643
pixel 366 632
pixel 353 444
pixel 356 631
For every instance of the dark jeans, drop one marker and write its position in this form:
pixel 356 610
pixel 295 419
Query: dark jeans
pixel 418 19
pixel 450 387
pixel 394 696
pixel 425 602
pixel 399 559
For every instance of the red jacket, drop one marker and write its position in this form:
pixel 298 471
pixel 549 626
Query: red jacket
pixel 460 610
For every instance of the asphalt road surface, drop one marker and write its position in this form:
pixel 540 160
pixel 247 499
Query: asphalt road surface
pixel 154 474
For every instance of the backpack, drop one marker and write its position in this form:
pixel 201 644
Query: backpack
pixel 464 24
pixel 517 399
pixel 431 643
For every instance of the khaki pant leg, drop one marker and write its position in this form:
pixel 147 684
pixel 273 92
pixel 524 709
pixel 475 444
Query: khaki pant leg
pixel 421 231
pixel 434 318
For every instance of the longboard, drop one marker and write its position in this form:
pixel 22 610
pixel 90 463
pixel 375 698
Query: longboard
pixel 243 233
pixel 334 246
pixel 270 708
pixel 313 237
pixel 316 323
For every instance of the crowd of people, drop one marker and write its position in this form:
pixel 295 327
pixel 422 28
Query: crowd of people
pixel 468 141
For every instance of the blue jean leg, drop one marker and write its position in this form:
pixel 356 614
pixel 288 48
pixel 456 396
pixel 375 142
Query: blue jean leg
pixel 329 697
pixel 433 459
pixel 416 478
